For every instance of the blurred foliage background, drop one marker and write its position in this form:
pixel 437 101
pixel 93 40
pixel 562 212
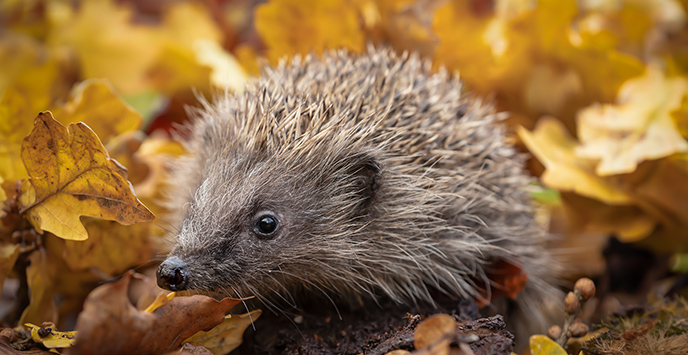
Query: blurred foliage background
pixel 596 91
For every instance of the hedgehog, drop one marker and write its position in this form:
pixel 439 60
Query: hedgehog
pixel 366 176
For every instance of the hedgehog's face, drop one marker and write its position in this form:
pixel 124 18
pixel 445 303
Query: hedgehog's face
pixel 254 228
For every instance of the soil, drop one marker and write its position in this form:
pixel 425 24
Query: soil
pixel 369 330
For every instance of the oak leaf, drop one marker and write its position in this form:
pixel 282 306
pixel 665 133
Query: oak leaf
pixel 71 175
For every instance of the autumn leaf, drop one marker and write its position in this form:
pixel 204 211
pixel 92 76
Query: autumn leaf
pixel 312 25
pixel 227 335
pixel 95 103
pixel 542 345
pixel 71 175
pixel 555 149
pixel 106 42
pixel 434 329
pixel 110 324
pixel 638 127
pixel 48 335
pixel 8 257
pixel 40 275
pixel 226 72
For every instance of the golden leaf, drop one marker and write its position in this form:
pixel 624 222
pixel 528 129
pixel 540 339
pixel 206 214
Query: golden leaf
pixel 638 127
pixel 19 103
pixel 312 25
pixel 226 71
pixel 227 335
pixel 71 175
pixel 95 103
pixel 555 149
pixel 54 339
pixel 542 345
pixel 40 275
pixel 106 42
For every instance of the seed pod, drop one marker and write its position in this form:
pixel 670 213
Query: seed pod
pixel 554 332
pixel 578 329
pixel 585 288
pixel 571 303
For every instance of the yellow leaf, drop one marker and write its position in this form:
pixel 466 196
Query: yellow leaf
pixel 176 66
pixel 542 345
pixel 554 148
pixel 53 339
pixel 95 103
pixel 311 25
pixel 3 195
pixel 8 257
pixel 227 335
pixel 40 275
pixel 638 127
pixel 19 103
pixel 107 43
pixel 110 247
pixel 71 175
pixel 226 70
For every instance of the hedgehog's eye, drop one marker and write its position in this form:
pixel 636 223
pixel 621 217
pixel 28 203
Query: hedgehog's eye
pixel 266 225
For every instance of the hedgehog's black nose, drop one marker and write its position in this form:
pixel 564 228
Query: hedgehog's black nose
pixel 172 274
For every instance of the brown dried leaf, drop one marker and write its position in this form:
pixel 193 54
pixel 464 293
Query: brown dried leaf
pixel 110 324
pixel 433 331
pixel 72 176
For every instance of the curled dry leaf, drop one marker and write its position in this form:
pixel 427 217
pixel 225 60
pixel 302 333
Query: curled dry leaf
pixel 71 175
pixel 8 344
pixel 110 324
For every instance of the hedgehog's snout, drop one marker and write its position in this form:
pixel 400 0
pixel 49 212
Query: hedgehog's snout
pixel 173 274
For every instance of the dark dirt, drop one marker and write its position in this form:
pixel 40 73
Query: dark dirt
pixel 373 330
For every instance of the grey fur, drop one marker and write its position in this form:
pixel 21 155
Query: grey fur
pixel 387 180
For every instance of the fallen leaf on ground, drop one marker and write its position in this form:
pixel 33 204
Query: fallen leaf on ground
pixel 542 345
pixel 71 175
pixel 226 336
pixel 110 324
pixel 48 335
pixel 9 337
pixel 40 275
pixel 436 331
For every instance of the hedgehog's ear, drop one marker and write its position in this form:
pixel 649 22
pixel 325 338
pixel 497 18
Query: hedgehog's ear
pixel 366 172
